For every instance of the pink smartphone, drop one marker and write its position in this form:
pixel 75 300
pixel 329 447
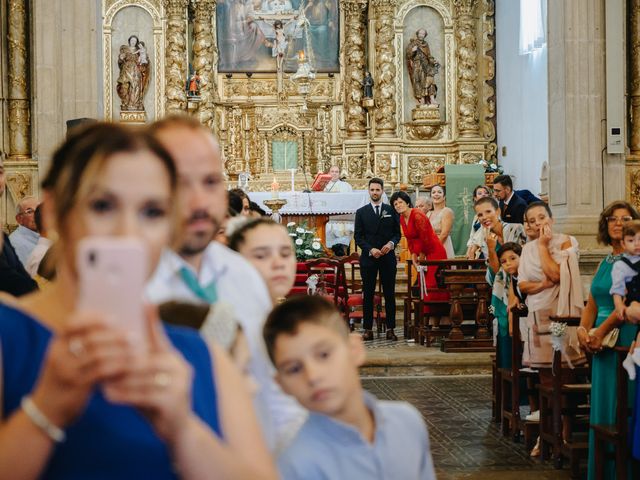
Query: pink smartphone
pixel 112 273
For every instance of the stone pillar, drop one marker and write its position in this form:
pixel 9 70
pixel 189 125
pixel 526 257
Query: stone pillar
pixel 634 72
pixel 19 79
pixel 385 71
pixel 354 55
pixel 204 57
pixel 176 56
pixel 466 53
pixel 576 109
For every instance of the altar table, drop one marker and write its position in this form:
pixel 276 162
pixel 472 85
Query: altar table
pixel 316 208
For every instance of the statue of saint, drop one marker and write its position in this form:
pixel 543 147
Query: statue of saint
pixel 367 85
pixel 133 80
pixel 422 68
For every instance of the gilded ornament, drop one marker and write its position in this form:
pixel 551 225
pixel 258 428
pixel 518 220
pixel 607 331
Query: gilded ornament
pixel 175 54
pixel 419 166
pixel 385 100
pixel 466 54
pixel 634 137
pixel 204 57
pixel 354 54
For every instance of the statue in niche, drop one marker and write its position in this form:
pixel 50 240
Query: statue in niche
pixel 422 68
pixel 367 85
pixel 133 80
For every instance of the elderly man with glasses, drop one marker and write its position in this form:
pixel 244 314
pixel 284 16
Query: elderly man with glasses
pixel 25 238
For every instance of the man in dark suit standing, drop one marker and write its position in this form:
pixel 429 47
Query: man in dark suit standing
pixel 377 232
pixel 512 207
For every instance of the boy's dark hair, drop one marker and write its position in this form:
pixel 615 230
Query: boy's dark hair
pixel 504 180
pixel 402 196
pixel 241 193
pixel 509 247
pixel 494 203
pixel 287 317
pixel 538 204
pixel 631 228
pixel 377 180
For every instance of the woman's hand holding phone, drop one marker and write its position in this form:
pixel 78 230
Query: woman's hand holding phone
pixel 157 382
pixel 85 353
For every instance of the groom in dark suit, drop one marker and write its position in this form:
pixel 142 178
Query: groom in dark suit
pixel 377 232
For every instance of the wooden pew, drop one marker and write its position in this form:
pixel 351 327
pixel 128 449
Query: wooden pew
pixel 564 399
pixel 511 379
pixel 468 285
pixel 415 323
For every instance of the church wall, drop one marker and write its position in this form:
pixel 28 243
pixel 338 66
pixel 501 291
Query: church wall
pixel 67 80
pixel 521 89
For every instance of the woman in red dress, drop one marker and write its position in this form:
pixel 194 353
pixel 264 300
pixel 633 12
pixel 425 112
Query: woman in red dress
pixel 422 241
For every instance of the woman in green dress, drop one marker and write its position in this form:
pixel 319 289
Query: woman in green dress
pixel 599 307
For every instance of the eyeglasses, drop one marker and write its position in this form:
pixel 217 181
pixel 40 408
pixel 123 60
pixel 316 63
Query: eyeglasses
pixel 624 219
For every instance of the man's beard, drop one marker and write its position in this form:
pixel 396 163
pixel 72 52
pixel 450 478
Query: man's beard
pixel 195 243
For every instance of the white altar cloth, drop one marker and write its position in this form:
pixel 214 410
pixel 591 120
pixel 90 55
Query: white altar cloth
pixel 315 203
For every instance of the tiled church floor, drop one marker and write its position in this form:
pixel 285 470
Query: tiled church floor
pixel 465 443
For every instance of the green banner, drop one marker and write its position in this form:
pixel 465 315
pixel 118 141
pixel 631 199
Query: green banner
pixel 461 180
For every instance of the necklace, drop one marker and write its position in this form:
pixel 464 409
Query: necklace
pixel 611 258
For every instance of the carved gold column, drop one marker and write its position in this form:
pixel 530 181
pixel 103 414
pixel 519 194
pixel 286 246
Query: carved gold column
pixel 634 141
pixel 204 56
pixel 175 56
pixel 466 54
pixel 385 74
pixel 18 69
pixel 354 34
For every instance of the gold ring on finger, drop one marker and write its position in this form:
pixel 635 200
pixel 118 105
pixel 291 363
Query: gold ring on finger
pixel 76 347
pixel 162 379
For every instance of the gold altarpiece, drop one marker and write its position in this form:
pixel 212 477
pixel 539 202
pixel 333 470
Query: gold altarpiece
pixel 386 139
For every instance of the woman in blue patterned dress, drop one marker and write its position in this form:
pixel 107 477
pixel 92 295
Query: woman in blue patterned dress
pixel 78 400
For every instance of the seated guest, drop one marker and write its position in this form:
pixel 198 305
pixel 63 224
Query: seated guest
pixel 236 203
pixel 349 434
pixel 336 184
pixel 14 279
pixel 424 204
pixel 527 196
pixel 246 202
pixel 25 237
pixel 512 207
pixel 41 248
pixel 269 248
pixel 256 211
pixel 472 250
pixel 80 399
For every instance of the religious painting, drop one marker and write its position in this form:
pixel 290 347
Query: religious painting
pixel 258 35
pixel 423 60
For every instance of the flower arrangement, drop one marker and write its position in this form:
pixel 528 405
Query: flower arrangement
pixel 307 245
pixel 558 331
pixel 491 167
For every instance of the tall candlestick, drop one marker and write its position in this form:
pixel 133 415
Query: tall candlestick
pixel 393 160
pixel 293 188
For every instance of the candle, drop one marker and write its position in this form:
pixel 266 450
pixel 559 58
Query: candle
pixel 293 188
pixel 393 160
pixel 275 187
